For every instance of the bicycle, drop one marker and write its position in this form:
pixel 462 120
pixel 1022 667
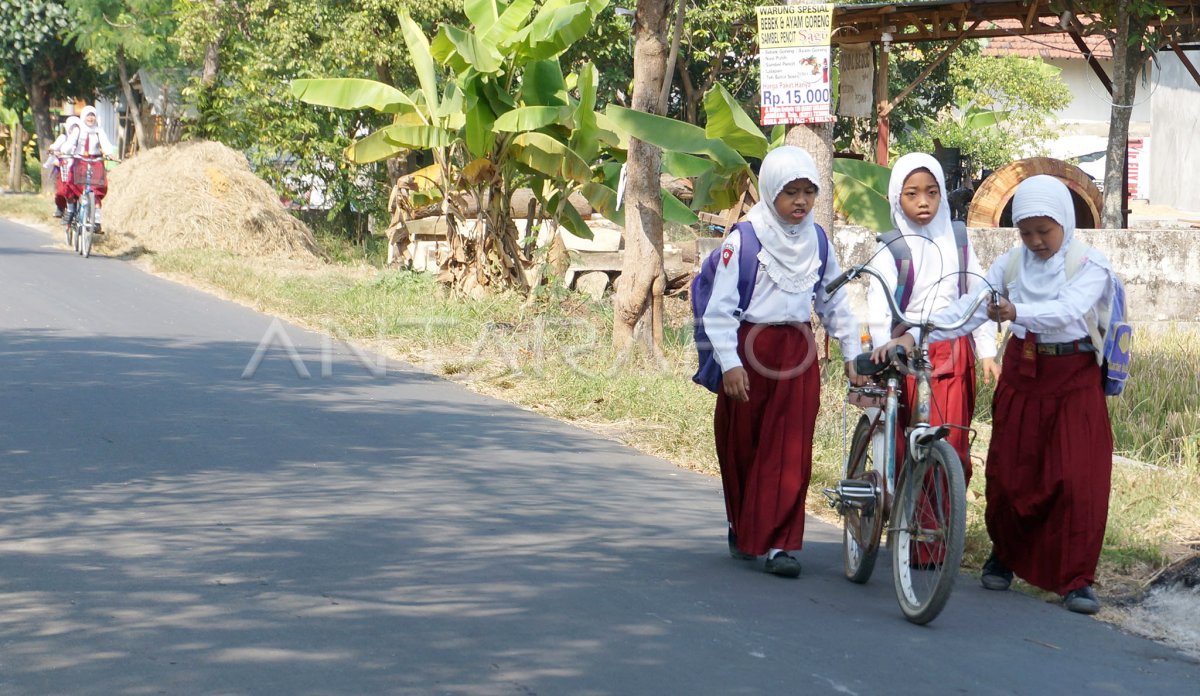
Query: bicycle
pixel 924 502
pixel 81 224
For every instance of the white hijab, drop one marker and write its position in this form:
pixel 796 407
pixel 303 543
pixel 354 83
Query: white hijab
pixel 1043 196
pixel 790 253
pixel 83 114
pixel 940 254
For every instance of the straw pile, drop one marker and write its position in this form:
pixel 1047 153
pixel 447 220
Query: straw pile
pixel 200 195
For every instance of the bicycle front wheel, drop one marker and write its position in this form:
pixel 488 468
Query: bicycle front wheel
pixel 928 527
pixel 89 224
pixel 862 524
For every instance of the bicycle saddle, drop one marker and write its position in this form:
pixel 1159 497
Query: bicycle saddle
pixel 865 367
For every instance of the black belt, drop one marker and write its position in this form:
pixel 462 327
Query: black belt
pixel 1068 348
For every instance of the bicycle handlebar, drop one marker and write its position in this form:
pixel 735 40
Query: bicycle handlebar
pixel 926 325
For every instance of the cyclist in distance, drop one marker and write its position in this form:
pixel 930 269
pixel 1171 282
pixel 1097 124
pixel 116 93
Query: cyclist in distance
pixel 89 141
pixel 60 161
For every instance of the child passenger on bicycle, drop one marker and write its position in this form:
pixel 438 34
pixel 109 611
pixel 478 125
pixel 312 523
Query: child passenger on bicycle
pixel 767 409
pixel 89 141
pixel 62 165
pixel 1049 466
pixel 934 265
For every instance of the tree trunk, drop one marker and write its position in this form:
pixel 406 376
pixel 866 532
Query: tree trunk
pixel 39 104
pixel 1127 60
pixel 212 62
pixel 817 138
pixel 639 289
pixel 132 111
pixel 16 160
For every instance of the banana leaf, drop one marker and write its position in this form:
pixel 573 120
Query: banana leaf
pixel 352 93
pixel 860 193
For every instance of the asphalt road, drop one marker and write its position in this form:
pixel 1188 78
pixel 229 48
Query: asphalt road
pixel 170 527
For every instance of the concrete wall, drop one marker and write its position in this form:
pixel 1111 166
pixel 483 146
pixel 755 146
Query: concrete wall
pixel 1160 268
pixel 1175 147
pixel 1089 99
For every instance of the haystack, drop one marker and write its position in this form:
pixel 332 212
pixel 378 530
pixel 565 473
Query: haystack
pixel 200 195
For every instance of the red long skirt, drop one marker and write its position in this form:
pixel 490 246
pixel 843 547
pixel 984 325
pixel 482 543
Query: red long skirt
pixel 61 187
pixel 953 402
pixel 953 388
pixel 1049 468
pixel 100 188
pixel 764 445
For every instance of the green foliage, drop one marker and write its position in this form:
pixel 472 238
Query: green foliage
pixel 492 105
pixel 860 192
pixel 719 46
pixel 34 48
pixel 249 108
pixel 138 27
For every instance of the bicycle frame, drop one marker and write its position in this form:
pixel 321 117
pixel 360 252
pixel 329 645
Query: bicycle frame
pixel 922 500
pixel 84 208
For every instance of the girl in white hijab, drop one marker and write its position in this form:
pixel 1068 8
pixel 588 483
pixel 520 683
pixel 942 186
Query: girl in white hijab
pixel 61 162
pixel 921 213
pixel 767 408
pixel 89 140
pixel 1049 465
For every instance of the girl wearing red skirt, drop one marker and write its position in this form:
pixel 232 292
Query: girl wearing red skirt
pixel 1049 466
pixel 62 165
pixel 917 191
pixel 89 141
pixel 767 408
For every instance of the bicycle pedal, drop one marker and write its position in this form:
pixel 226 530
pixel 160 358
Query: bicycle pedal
pixel 856 488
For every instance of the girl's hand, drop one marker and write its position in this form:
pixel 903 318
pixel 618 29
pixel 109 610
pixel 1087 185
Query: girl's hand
pixel 991 370
pixel 881 354
pixel 852 374
pixel 736 384
pixel 1004 311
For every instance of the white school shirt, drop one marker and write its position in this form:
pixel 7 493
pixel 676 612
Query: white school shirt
pixel 771 304
pixel 96 140
pixel 935 287
pixel 1060 320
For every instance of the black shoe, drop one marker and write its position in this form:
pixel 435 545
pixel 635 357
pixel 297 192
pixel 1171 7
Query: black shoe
pixel 783 565
pixel 737 553
pixel 1082 601
pixel 996 575
pixel 98 229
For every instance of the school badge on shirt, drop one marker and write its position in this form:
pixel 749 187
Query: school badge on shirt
pixel 726 254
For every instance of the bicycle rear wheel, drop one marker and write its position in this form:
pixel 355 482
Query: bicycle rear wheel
pixel 862 526
pixel 928 528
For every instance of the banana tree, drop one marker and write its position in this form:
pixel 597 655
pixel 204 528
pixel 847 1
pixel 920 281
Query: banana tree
pixel 496 111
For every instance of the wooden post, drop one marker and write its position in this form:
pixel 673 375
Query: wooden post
pixel 881 106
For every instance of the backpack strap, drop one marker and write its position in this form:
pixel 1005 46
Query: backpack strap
pixel 905 274
pixel 1098 316
pixel 1013 268
pixel 823 252
pixel 747 264
pixel 960 241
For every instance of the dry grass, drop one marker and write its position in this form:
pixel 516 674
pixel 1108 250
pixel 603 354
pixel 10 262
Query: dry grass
pixel 199 195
